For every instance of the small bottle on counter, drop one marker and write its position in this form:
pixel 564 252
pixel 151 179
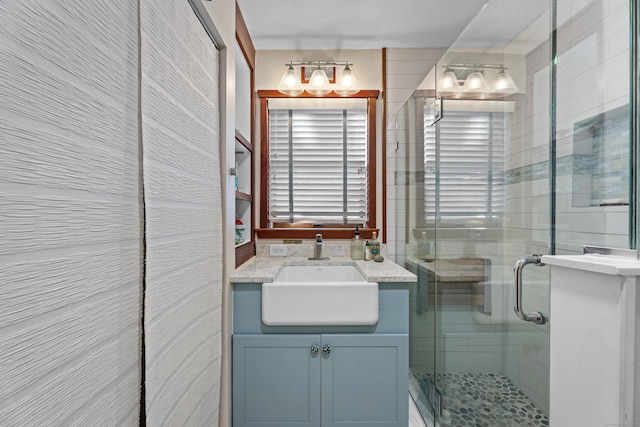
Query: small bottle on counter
pixel 356 250
pixel 367 251
pixel 374 245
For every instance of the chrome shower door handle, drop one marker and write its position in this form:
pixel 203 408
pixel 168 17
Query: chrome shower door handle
pixel 535 317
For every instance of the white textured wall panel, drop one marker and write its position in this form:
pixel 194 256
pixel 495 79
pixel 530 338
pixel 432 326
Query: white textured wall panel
pixel 181 160
pixel 70 226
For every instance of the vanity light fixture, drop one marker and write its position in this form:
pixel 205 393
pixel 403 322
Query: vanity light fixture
pixel 319 84
pixel 474 81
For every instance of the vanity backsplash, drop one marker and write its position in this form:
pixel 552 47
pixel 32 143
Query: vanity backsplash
pixel 331 249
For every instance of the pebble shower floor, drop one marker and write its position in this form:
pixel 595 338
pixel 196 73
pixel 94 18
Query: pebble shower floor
pixel 484 400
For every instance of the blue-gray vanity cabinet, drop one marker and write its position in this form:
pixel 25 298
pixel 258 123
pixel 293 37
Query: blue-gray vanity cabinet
pixel 365 380
pixel 323 380
pixel 361 380
pixel 276 381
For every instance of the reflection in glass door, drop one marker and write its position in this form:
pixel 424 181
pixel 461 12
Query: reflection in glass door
pixel 530 154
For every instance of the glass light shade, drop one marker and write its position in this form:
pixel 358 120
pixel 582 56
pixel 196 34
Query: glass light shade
pixel 449 82
pixel 290 83
pixel 348 84
pixel 475 84
pixel 503 85
pixel 319 83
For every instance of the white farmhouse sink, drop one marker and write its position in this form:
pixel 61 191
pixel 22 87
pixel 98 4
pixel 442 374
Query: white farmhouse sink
pixel 307 295
pixel 319 273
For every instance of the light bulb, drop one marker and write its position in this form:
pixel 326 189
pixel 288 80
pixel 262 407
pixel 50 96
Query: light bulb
pixel 290 83
pixel 449 82
pixel 290 79
pixel 503 85
pixel 348 84
pixel 475 84
pixel 317 78
pixel 319 83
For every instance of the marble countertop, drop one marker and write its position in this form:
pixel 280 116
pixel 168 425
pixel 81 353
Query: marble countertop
pixel 263 269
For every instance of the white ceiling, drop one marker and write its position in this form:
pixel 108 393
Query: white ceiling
pixel 356 24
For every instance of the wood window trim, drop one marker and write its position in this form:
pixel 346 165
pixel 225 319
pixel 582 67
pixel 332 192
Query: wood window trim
pixel 307 231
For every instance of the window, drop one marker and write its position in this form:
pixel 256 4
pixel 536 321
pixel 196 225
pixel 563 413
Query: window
pixel 318 165
pixel 466 169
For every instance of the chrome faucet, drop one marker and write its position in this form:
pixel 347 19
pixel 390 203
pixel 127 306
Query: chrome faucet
pixel 317 249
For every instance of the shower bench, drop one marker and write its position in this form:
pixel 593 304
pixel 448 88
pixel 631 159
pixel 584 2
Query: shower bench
pixel 460 281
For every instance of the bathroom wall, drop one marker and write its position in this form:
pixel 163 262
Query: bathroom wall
pixel 82 180
pixel 367 65
pixel 71 253
pixel 464 340
pixel 527 214
pixel 406 69
pixel 592 78
pixel 270 65
pixel 183 215
pixel 220 17
pixel 452 340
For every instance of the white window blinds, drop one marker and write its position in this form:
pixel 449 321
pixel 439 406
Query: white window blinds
pixel 464 177
pixel 318 163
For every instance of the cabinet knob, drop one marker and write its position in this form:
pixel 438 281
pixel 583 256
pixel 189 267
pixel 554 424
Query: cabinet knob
pixel 326 349
pixel 315 349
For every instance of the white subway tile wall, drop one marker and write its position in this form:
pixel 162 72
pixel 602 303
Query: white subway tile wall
pixel 406 69
pixel 593 78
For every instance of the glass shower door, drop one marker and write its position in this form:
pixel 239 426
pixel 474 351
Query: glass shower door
pixel 417 248
pixel 491 152
pixel 517 142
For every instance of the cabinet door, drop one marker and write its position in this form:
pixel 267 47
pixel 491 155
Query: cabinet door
pixel 276 381
pixel 365 381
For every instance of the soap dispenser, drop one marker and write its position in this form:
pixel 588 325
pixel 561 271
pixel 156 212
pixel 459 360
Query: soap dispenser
pixel 356 250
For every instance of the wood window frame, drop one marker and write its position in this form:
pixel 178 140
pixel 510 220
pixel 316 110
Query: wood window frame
pixel 308 230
